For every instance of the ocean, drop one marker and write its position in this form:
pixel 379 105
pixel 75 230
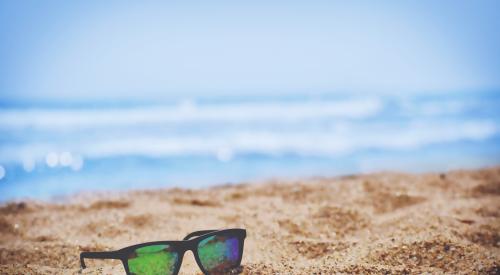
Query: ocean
pixel 50 150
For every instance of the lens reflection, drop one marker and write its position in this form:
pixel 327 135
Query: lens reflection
pixel 219 254
pixel 153 260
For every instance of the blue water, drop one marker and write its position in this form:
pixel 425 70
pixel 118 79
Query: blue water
pixel 52 149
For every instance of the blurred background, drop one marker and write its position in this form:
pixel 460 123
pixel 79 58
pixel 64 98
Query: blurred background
pixel 117 95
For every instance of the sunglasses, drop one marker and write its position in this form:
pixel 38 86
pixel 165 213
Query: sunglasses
pixel 215 252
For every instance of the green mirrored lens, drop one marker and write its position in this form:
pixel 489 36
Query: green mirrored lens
pixel 219 253
pixel 153 259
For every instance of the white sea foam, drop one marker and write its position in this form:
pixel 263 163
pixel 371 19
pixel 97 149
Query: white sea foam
pixel 370 134
pixel 321 141
pixel 67 119
pixel 64 137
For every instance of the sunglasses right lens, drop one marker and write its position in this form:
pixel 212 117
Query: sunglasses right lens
pixel 153 259
pixel 219 254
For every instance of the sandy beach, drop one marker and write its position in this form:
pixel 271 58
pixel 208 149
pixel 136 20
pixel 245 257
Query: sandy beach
pixel 370 224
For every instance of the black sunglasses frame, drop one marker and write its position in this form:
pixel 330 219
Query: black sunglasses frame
pixel 179 247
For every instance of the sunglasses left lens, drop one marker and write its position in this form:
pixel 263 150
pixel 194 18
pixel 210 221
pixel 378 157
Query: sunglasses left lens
pixel 153 259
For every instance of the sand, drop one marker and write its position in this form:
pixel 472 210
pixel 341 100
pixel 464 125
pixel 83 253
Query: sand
pixel 377 223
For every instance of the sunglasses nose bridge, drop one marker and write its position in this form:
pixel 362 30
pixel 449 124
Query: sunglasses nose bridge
pixel 191 245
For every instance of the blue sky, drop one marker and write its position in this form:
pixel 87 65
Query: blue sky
pixel 96 50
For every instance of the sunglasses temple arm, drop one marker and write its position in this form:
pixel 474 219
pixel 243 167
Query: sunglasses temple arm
pixel 198 233
pixel 98 255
